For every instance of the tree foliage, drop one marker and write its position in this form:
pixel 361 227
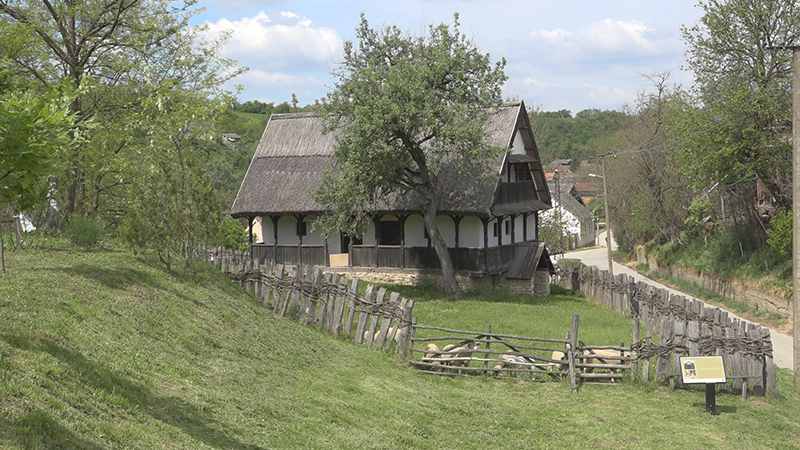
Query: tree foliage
pixel 33 131
pixel 730 126
pixel 405 108
pixel 119 53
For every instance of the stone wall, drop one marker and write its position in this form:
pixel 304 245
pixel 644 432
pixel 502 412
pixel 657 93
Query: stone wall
pixel 539 286
pixel 754 297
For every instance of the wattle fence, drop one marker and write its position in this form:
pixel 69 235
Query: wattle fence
pixel 329 302
pixel 684 327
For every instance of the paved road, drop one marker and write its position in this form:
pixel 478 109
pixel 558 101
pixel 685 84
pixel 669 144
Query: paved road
pixel 782 346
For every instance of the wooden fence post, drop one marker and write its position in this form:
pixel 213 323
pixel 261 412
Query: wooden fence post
pixel 772 384
pixel 573 346
pixel 369 296
pixel 351 304
pixel 634 354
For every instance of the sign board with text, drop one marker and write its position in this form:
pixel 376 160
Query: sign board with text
pixel 702 369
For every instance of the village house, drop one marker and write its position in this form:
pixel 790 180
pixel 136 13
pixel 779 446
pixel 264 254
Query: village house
pixel 490 228
pixel 578 224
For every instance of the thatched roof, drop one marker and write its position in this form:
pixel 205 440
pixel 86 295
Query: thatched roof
pixel 293 153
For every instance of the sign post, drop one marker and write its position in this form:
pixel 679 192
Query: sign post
pixel 707 370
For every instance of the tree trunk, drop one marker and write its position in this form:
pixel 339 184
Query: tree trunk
pixel 449 280
pixel 2 252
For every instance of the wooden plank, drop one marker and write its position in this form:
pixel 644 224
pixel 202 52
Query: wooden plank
pixel 649 340
pixel 771 381
pixel 317 281
pixel 679 338
pixel 287 294
pixel 734 358
pixel 383 329
pixel 338 310
pixel 322 315
pixel 662 363
pixel 369 296
pixel 277 292
pixel 348 325
pixel 394 324
pixel 369 334
pixel 297 292
pixel 720 350
pixel 407 332
pixel 305 298
pixel 758 361
pixel 265 287
pixel 741 333
pixel 573 345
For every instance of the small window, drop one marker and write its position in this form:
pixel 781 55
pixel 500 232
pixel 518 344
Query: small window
pixel 494 229
pixel 302 229
pixel 508 227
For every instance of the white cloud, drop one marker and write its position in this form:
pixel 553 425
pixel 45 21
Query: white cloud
pixel 284 41
pixel 608 95
pixel 532 82
pixel 606 39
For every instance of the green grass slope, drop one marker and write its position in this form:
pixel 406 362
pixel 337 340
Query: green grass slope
pixel 101 350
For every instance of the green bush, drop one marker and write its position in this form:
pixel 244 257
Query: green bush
pixel 779 235
pixel 84 232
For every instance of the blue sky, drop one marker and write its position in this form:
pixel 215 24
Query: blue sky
pixel 561 54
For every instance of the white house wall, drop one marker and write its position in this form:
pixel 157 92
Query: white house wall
pixel 267 231
pixel 470 232
pixel 287 231
pixel 312 238
pixel 531 222
pixel 519 229
pixel 415 231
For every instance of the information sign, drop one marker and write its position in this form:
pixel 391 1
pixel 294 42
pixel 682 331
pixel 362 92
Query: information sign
pixel 702 369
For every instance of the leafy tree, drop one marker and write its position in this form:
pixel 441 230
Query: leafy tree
pixel 647 197
pixel 119 52
pixel 730 126
pixel 173 209
pixel 405 108
pixel 33 130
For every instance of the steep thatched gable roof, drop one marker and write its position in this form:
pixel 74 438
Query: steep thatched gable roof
pixel 293 153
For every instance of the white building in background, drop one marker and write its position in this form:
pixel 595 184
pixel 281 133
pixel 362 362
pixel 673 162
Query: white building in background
pixel 579 226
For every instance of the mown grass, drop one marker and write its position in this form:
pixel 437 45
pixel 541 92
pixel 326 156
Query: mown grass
pixel 101 350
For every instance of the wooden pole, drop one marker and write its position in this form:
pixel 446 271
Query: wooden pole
pixel 796 211
pixel 608 224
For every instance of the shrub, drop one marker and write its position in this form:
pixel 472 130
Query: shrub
pixel 84 232
pixel 779 235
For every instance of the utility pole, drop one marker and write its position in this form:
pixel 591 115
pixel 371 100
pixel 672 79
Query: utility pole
pixel 796 212
pixel 608 224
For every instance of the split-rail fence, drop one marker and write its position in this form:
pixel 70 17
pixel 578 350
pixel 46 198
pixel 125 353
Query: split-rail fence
pixel 683 326
pixel 501 355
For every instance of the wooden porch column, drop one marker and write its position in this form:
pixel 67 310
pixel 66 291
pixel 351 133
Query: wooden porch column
pixel 402 219
pixel 275 220
pixel 457 222
pixel 485 222
pixel 525 227
pixel 500 220
pixel 299 229
pixel 513 228
pixel 250 237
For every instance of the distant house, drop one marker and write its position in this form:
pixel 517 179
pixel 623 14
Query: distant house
pixel 231 139
pixel 579 226
pixel 490 228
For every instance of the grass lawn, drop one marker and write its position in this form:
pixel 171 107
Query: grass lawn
pixel 101 350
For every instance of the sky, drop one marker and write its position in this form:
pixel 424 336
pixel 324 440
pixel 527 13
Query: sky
pixel 560 54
